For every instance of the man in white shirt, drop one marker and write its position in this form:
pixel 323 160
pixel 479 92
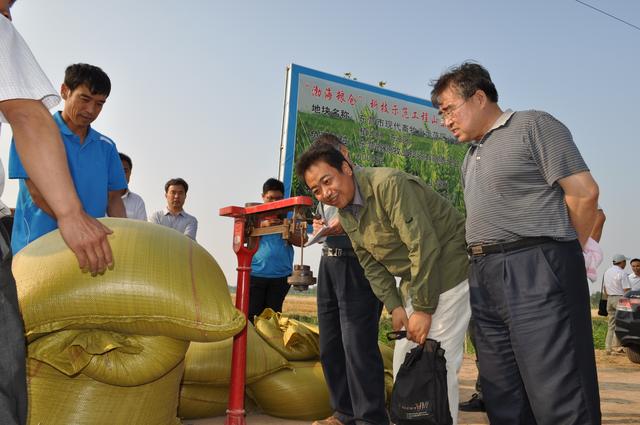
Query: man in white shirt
pixel 174 216
pixel 634 278
pixel 616 283
pixel 133 203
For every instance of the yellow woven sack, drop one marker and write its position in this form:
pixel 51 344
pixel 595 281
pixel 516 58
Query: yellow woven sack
pixel 202 401
pixel 56 399
pixel 109 357
pixel 206 401
pixel 291 338
pixel 163 283
pixel 298 393
pixel 210 362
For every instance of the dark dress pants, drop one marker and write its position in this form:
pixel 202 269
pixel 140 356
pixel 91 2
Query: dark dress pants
pixel 13 381
pixel 533 336
pixel 348 316
pixel 472 336
pixel 266 292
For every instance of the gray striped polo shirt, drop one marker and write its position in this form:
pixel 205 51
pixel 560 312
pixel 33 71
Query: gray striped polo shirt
pixel 510 179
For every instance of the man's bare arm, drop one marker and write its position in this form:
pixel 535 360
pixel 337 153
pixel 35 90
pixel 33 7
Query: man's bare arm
pixel 40 147
pixel 596 232
pixel 38 199
pixel 581 196
pixel 115 207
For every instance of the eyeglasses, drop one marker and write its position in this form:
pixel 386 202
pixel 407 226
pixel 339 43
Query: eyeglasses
pixel 445 115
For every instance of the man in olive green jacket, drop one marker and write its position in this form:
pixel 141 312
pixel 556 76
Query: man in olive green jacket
pixel 399 227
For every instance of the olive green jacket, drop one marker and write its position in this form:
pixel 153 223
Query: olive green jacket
pixel 406 229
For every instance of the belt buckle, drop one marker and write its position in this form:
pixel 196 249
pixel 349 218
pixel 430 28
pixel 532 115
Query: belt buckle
pixel 337 252
pixel 476 250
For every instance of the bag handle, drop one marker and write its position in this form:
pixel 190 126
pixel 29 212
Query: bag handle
pixel 602 288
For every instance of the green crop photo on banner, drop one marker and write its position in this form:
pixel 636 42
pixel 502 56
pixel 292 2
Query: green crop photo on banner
pixel 381 128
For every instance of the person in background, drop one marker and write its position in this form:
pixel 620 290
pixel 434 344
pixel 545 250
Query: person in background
pixel 26 94
pixel 174 215
pixel 133 203
pixel 92 159
pixel 272 263
pixel 634 278
pixel 616 284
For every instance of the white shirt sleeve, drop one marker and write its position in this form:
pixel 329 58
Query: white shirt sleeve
pixel 20 75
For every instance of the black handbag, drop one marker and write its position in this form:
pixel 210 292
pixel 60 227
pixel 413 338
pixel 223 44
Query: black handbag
pixel 419 395
pixel 602 305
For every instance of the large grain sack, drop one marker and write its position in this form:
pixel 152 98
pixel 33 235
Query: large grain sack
pixel 210 362
pixel 291 338
pixel 202 401
pixel 163 283
pixel 109 357
pixel 57 399
pixel 206 401
pixel 297 393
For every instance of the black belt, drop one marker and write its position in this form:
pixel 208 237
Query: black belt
pixel 338 252
pixel 480 249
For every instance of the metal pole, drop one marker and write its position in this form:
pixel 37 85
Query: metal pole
pixel 235 411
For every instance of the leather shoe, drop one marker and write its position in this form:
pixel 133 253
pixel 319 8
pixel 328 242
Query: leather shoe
pixel 475 404
pixel 331 420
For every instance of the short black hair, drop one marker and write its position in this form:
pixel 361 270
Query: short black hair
pixel 635 259
pixel 329 139
pixel 96 80
pixel 317 153
pixel 272 184
pixel 466 78
pixel 176 182
pixel 124 157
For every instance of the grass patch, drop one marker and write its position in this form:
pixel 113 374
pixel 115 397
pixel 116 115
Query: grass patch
pixel 599 325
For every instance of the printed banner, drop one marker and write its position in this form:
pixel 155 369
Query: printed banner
pixel 382 128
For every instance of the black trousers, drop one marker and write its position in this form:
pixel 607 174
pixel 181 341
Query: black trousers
pixel 472 336
pixel 266 292
pixel 348 316
pixel 533 336
pixel 13 380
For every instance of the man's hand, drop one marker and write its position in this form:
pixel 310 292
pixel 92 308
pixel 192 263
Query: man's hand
pixel 335 228
pixel 87 238
pixel 399 319
pixel 318 224
pixel 419 325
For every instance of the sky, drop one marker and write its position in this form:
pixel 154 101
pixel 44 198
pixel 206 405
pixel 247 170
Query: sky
pixel 198 85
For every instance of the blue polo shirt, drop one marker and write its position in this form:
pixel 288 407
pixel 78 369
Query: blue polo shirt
pixel 95 169
pixel 273 259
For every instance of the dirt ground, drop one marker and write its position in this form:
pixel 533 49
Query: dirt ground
pixel 619 393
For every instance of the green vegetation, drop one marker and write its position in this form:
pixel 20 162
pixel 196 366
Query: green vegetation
pixel 599 325
pixel 434 160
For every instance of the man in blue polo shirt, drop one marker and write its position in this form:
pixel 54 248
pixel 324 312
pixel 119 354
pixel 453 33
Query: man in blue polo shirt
pixel 93 159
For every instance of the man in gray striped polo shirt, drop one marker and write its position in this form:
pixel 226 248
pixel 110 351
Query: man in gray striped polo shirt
pixel 531 203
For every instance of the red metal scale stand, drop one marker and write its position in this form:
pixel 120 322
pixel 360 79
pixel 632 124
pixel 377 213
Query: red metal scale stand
pixel 246 236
